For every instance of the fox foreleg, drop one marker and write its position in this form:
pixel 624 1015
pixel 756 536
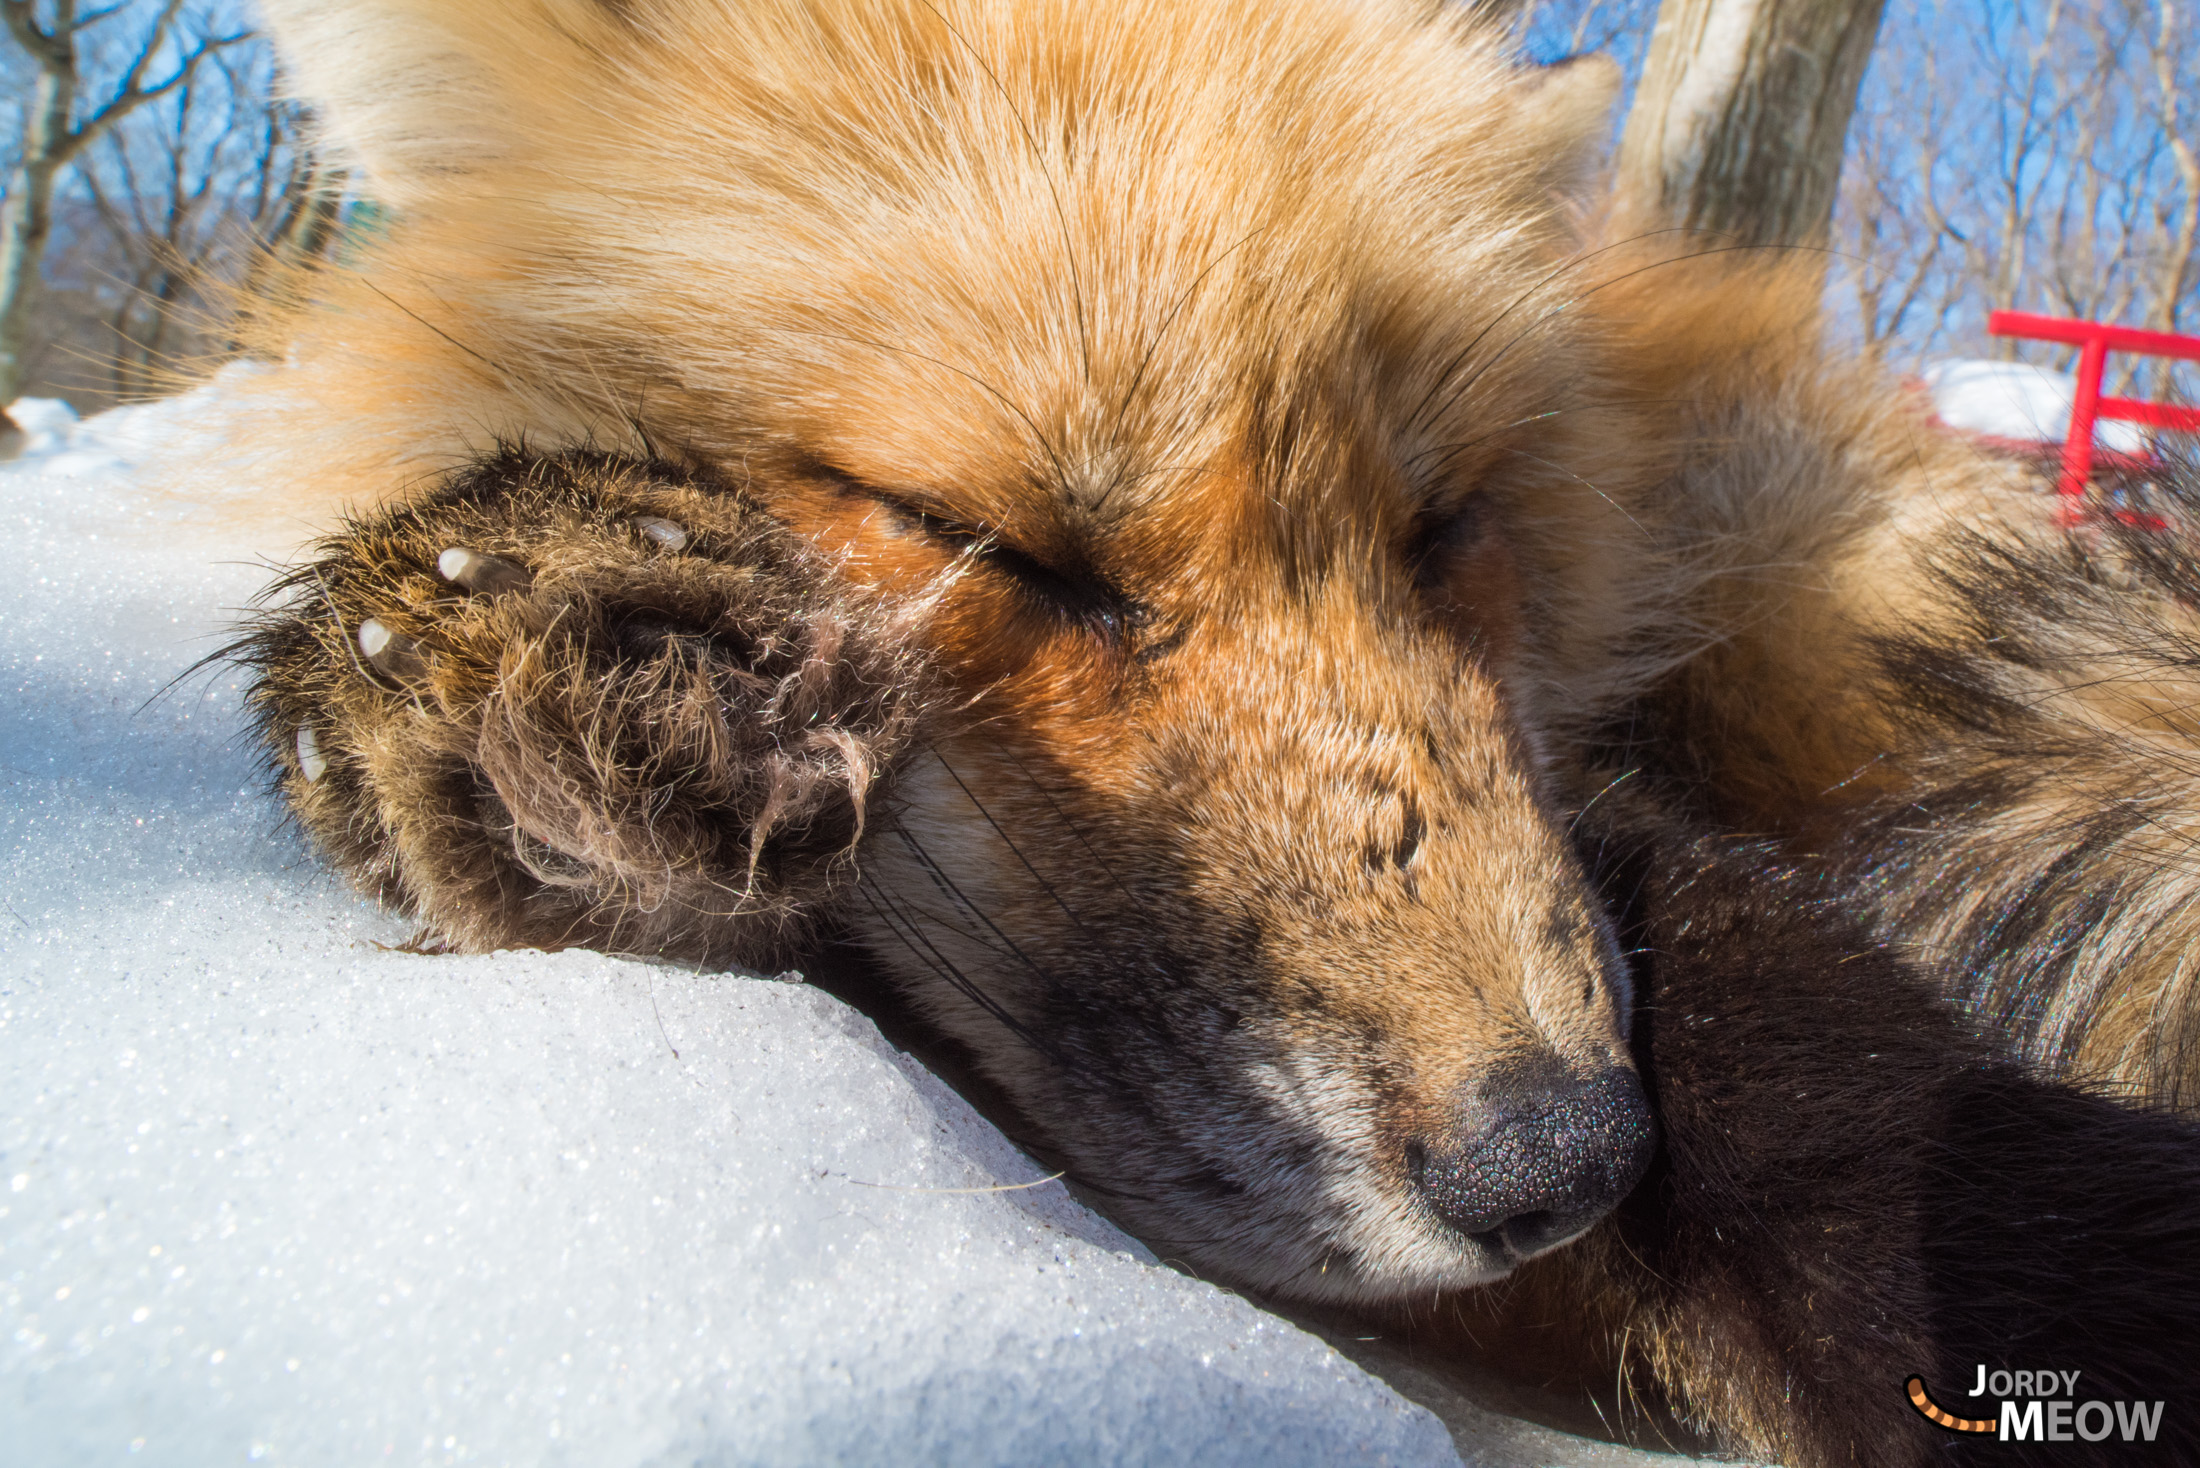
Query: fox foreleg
pixel 583 700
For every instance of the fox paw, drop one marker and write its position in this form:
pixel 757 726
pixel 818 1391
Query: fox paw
pixel 578 700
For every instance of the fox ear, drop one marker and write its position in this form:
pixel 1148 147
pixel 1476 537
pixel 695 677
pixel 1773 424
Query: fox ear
pixel 416 93
pixel 1566 108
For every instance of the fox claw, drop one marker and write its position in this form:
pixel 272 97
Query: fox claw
pixel 486 575
pixel 311 764
pixel 391 652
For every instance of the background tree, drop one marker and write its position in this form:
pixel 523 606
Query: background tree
pixel 1739 121
pixel 64 117
pixel 2036 154
pixel 202 192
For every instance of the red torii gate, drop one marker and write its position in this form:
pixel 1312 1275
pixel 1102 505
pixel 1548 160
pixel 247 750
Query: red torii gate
pixel 2095 340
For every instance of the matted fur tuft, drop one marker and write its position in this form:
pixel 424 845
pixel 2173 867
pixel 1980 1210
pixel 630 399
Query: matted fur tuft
pixel 658 724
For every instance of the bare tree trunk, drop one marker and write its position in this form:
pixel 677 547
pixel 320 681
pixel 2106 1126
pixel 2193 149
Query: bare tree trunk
pixel 2175 271
pixel 29 215
pixel 1739 121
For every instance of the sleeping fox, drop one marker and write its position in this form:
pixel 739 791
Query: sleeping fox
pixel 1444 767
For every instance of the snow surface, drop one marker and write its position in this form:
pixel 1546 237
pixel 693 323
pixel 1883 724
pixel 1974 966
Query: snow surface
pixel 2019 401
pixel 273 1191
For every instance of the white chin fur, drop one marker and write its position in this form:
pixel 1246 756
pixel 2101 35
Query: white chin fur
pixel 1384 1244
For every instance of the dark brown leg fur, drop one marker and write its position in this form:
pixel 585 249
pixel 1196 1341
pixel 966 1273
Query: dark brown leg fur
pixel 640 717
pixel 1853 1189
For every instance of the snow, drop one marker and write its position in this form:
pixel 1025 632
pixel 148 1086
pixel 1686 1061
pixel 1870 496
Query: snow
pixel 47 424
pixel 2015 400
pixel 273 1191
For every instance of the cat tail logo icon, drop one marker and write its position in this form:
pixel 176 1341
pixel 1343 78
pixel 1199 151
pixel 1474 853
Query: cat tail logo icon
pixel 1934 1413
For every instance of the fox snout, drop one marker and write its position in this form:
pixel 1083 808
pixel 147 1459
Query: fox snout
pixel 1534 1155
pixel 1289 937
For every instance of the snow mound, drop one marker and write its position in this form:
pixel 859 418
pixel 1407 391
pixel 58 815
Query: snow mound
pixel 280 1201
pixel 2016 400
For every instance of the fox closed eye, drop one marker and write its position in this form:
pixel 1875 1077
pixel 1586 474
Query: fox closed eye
pixel 1082 598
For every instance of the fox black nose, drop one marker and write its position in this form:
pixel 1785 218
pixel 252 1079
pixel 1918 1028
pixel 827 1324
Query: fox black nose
pixel 1533 1158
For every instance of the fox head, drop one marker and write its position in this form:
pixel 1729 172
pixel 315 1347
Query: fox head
pixel 1209 367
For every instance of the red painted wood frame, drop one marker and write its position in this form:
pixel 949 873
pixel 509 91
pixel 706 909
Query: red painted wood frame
pixel 2094 341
